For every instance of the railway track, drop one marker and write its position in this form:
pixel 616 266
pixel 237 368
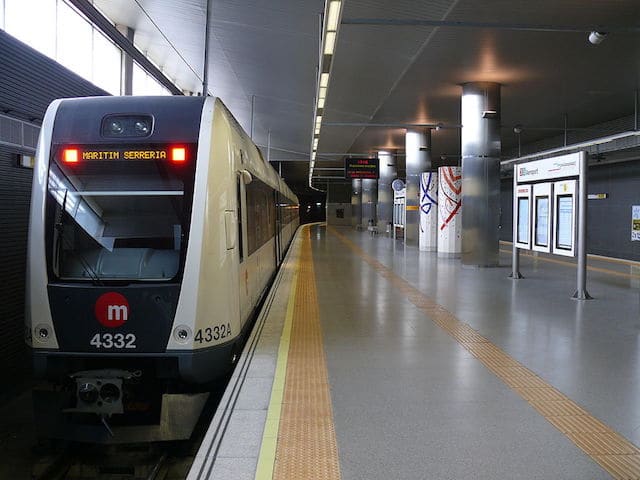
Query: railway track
pixel 149 461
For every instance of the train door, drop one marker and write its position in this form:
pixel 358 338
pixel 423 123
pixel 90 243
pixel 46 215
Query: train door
pixel 243 287
pixel 278 220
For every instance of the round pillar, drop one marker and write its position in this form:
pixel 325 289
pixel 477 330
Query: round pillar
pixel 388 173
pixel 429 212
pixel 356 202
pixel 369 201
pixel 480 146
pixel 418 158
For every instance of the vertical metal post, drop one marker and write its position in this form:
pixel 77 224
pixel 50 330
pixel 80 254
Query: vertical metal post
pixel 126 80
pixel 581 291
pixel 635 109
pixel 269 147
pixel 253 101
pixel 207 27
pixel 515 254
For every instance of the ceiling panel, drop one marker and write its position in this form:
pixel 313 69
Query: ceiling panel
pixel 267 51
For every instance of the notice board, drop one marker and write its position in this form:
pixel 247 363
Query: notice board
pixel 362 168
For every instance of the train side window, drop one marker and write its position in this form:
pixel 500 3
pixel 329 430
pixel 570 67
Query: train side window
pixel 239 195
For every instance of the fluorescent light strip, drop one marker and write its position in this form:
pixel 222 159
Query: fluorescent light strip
pixel 333 16
pixel 332 22
pixel 329 43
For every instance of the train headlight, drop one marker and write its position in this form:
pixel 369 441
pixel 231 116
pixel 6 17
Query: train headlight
pixel 182 334
pixel 142 127
pixel 42 333
pixel 114 127
pixel 119 126
pixel 88 392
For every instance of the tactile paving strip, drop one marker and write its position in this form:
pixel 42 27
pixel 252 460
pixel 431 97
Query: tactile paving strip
pixel 617 455
pixel 306 447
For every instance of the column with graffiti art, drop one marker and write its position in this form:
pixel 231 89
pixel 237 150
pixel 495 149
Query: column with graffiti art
pixel 449 211
pixel 429 212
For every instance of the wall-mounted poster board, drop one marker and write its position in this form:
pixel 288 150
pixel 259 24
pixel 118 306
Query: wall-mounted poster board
pixel 564 214
pixel 522 210
pixel 542 210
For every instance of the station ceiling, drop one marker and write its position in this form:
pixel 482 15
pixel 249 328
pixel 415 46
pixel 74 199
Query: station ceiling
pixel 265 53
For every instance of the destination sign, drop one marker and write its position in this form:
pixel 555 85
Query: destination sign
pixel 124 154
pixel 174 153
pixel 362 168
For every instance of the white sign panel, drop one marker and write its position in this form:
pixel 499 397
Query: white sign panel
pixel 564 208
pixel 542 217
pixel 549 168
pixel 635 223
pixel 522 210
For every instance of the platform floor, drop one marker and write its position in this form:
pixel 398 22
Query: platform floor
pixel 428 370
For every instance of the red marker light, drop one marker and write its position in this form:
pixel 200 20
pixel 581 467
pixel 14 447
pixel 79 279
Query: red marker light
pixel 178 154
pixel 70 155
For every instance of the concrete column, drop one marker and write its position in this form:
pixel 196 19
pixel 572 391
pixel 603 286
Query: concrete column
pixel 369 200
pixel 480 173
pixel 429 212
pixel 388 174
pixel 449 211
pixel 418 158
pixel 356 202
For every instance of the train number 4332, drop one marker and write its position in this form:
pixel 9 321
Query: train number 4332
pixel 113 340
pixel 209 334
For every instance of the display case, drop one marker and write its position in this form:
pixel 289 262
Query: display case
pixel 564 215
pixel 522 217
pixel 542 217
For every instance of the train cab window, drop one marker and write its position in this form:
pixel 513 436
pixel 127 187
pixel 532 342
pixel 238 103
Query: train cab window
pixel 117 220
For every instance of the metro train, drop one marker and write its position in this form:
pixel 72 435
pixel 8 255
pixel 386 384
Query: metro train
pixel 156 226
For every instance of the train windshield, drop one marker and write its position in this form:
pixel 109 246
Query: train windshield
pixel 117 219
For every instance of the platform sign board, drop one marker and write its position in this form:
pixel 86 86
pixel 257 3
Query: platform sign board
pixel 635 223
pixel 542 219
pixel 564 213
pixel 549 168
pixel 522 211
pixel 558 212
pixel 362 168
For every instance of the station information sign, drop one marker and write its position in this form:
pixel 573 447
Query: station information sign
pixel 362 168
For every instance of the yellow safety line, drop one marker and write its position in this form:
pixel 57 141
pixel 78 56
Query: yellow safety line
pixel 307 447
pixel 570 264
pixel 617 455
pixel 299 440
pixel 266 459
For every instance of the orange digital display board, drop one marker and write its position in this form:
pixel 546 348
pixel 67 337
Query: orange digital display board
pixel 362 168
pixel 174 153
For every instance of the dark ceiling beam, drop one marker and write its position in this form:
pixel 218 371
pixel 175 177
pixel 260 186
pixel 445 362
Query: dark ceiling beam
pixel 414 22
pixel 106 27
